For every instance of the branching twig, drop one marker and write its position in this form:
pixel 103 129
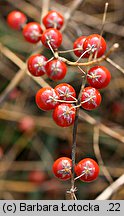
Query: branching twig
pixel 96 61
pixel 18 77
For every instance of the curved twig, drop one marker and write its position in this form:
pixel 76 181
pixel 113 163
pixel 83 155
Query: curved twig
pixel 98 154
pixel 106 194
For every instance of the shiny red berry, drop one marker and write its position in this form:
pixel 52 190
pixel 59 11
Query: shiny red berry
pixel 98 77
pixel 91 98
pixel 56 69
pixel 87 169
pixel 46 98
pixel 53 37
pixel 64 114
pixel 16 19
pixel 37 177
pixel 96 43
pixel 62 168
pixel 66 92
pixel 32 32
pixel 37 65
pixel 53 20
pixel 79 44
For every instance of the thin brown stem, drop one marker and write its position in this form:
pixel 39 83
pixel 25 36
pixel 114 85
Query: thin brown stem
pixel 104 18
pixel 115 65
pixel 74 136
pixel 71 50
pixel 103 24
pixel 64 101
pixel 74 5
pixel 88 50
pixel 48 42
pixel 97 152
pixel 74 145
pixel 82 71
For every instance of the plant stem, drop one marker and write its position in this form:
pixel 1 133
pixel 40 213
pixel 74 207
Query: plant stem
pixel 90 63
pixel 74 139
pixel 75 130
pixel 74 146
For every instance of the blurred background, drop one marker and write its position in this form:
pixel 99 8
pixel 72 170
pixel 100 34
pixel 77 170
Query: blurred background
pixel 29 139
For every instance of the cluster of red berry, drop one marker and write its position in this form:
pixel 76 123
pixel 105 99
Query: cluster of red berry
pixel 62 98
pixel 87 169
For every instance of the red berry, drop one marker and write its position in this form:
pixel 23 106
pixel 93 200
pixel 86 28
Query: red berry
pixel 92 98
pixel 79 44
pixel 64 114
pixel 98 77
pixel 52 36
pixel 88 168
pixel 16 20
pixel 32 32
pixel 53 20
pixel 56 69
pixel 96 42
pixel 62 168
pixel 26 124
pixel 66 92
pixel 37 65
pixel 45 98
pixel 37 177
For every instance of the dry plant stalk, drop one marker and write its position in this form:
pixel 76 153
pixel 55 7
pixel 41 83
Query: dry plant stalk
pixel 97 152
pixel 107 193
